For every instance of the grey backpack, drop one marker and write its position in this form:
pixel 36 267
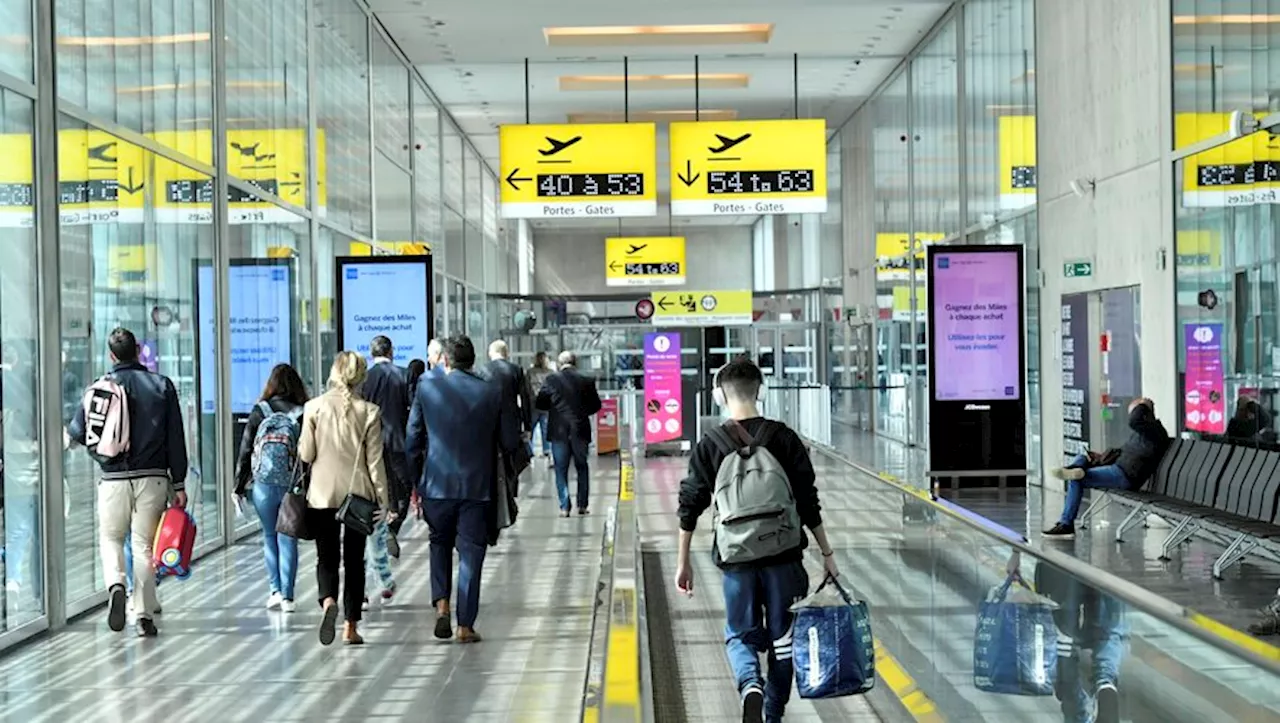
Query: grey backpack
pixel 755 510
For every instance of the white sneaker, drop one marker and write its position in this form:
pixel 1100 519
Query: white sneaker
pixel 273 602
pixel 288 606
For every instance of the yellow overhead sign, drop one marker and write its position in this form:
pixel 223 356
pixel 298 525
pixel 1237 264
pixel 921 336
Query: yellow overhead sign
pixel 727 168
pixel 1243 172
pixel 644 261
pixel 891 254
pixel 1017 161
pixel 602 170
pixel 701 308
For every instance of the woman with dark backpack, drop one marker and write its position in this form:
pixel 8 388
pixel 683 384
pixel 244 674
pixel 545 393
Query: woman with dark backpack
pixel 268 456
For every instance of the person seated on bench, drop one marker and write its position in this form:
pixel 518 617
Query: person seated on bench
pixel 1251 423
pixel 1124 468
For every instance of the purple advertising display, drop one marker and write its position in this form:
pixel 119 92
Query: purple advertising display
pixel 975 297
pixel 1206 406
pixel 662 392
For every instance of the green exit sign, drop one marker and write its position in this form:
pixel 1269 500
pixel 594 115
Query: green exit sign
pixel 1076 269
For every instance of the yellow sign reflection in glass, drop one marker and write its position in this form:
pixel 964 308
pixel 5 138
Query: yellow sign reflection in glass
pixel 1243 172
pixel 1017 161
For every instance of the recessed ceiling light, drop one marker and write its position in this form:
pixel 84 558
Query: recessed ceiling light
pixel 1225 19
pixel 135 41
pixel 669 81
pixel 652 116
pixel 726 34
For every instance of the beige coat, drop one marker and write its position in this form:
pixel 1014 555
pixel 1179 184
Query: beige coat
pixel 345 456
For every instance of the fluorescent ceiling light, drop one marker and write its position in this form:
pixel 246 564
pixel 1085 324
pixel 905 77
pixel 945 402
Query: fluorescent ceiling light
pixel 231 84
pixel 135 41
pixel 652 116
pixel 1225 19
pixel 726 34
pixel 670 81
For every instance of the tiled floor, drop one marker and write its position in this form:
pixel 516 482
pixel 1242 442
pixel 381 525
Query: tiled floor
pixel 222 657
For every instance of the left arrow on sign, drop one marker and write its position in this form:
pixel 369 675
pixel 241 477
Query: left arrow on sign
pixel 613 265
pixel 663 303
pixel 130 187
pixel 512 178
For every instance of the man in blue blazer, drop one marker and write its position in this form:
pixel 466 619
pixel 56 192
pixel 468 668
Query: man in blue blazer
pixel 455 434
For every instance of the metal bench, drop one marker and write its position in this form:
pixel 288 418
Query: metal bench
pixel 1219 490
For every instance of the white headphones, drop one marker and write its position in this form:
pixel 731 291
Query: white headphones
pixel 717 393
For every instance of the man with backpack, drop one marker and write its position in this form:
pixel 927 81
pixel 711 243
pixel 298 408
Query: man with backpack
pixel 131 425
pixel 757 474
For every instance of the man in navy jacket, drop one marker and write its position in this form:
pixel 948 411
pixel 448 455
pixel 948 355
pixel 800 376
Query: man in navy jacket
pixel 387 386
pixel 455 434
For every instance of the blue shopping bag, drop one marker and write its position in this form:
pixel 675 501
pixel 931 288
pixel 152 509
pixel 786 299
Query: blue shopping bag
pixel 832 647
pixel 1016 644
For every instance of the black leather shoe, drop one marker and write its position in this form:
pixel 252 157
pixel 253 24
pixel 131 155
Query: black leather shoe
pixel 147 628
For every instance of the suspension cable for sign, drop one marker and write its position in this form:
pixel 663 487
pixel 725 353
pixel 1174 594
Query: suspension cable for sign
pixel 795 85
pixel 526 91
pixel 697 89
pixel 626 90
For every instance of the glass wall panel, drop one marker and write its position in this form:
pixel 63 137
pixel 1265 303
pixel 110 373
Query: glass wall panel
pixel 426 173
pixel 455 258
pixel 457 307
pixel 139 259
pixel 1226 57
pixel 999 107
pixel 394 201
pixel 16 51
pixel 145 66
pixel 895 358
pixel 20 417
pixel 267 95
pixel 329 245
pixel 342 102
pixel 270 279
pixel 471 187
pixel 451 151
pixel 390 102
pixel 474 244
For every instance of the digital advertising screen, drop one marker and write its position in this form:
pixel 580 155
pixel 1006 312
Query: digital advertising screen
pixel 261 317
pixel 663 421
pixel 976 325
pixel 387 295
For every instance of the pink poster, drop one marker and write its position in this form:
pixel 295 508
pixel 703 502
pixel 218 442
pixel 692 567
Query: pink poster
pixel 1203 393
pixel 662 392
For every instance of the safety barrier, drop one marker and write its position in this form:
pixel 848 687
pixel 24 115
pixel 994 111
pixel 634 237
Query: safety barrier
pixel 616 686
pixel 804 408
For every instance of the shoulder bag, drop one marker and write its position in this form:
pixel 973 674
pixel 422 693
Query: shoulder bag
pixel 358 512
pixel 291 520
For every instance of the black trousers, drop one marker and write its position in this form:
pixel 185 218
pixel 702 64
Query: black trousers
pixel 401 492
pixel 338 547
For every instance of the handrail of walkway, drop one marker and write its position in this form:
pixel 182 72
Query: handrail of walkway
pixel 616 683
pixel 1163 609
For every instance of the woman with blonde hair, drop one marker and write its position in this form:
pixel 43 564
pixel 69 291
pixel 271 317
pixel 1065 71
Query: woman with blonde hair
pixel 342 440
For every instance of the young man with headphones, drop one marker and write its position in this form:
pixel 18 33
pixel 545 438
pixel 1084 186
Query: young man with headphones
pixel 758 475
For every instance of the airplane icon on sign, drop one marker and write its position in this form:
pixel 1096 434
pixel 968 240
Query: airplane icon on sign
pixel 557 146
pixel 252 151
pixel 636 249
pixel 726 143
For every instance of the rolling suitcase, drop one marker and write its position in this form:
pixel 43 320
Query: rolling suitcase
pixel 175 537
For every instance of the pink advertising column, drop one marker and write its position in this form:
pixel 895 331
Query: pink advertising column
pixel 662 402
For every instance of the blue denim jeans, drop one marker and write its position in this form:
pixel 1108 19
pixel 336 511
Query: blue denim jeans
pixel 21 537
pixel 279 552
pixel 462 524
pixel 1105 477
pixel 379 560
pixel 540 423
pixel 575 451
pixel 1088 620
pixel 758 621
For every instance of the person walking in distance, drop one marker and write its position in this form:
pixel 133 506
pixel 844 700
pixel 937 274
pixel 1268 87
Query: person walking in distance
pixel 517 406
pixel 342 441
pixel 456 433
pixel 537 376
pixel 753 463
pixel 265 472
pixel 435 359
pixel 131 424
pixel 388 387
pixel 570 399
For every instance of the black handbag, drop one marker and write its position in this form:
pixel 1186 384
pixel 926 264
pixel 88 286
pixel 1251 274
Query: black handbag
pixel 291 520
pixel 358 513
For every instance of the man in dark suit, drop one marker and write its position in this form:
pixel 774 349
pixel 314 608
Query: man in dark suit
pixel 570 399
pixel 517 406
pixel 388 387
pixel 456 423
